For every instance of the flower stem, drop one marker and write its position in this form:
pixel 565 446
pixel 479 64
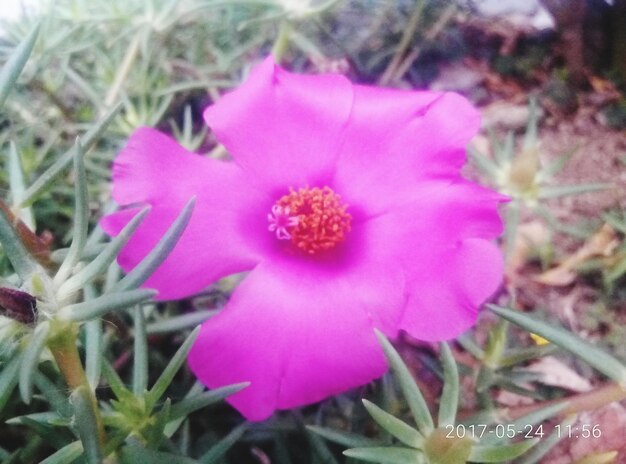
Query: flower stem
pixel 62 344
pixel 281 44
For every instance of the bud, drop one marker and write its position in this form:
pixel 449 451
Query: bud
pixel 523 174
pixel 18 305
pixel 442 449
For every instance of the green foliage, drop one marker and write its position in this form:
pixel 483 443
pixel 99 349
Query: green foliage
pixel 58 313
pixel 586 351
pixel 426 444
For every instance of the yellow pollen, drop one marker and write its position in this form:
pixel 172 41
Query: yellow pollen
pixel 322 221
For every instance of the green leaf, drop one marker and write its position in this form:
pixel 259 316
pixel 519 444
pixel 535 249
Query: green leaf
pixel 616 220
pixel 343 438
pixel 217 451
pixel 484 164
pixel 86 424
pixel 30 360
pixel 546 444
pixel 396 427
pixel 65 455
pixel 56 398
pixel 501 453
pixel 157 255
pixel 103 259
pixel 93 352
pixel 196 390
pixel 409 388
pixel 81 217
pixel 140 352
pixel 182 322
pixel 589 353
pixel 115 382
pixel 22 261
pixel 18 186
pixel 204 399
pixel 555 166
pixel 91 251
pixel 496 344
pixel 49 433
pixel 135 453
pixel 520 355
pixel 386 455
pixel 449 401
pixel 467 342
pixel 154 433
pixel 508 150
pixel 530 137
pixel 512 217
pixel 555 191
pixel 46 179
pixel 616 271
pixel 115 439
pixel 49 417
pixel 16 62
pixel 320 449
pixel 159 387
pixel 8 379
pixel 91 309
pixel 538 416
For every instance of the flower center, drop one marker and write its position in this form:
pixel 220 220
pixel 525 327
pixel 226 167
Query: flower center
pixel 314 219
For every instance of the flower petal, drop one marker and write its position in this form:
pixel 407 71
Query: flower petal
pixel 445 301
pixel 227 231
pixel 397 138
pixel 299 333
pixel 442 243
pixel 283 128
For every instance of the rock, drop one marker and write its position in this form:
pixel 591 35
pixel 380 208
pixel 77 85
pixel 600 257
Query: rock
pixel 457 77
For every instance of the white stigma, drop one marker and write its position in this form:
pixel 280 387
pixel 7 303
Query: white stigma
pixel 280 221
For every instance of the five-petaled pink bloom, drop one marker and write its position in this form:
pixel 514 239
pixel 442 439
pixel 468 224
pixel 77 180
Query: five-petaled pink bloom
pixel 346 205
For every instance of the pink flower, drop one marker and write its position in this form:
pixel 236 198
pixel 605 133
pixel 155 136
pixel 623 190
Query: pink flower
pixel 346 205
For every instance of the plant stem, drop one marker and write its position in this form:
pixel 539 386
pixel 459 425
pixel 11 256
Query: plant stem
pixel 588 401
pixel 63 347
pixel 281 44
pixel 122 72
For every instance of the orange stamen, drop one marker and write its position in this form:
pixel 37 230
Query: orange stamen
pixel 322 220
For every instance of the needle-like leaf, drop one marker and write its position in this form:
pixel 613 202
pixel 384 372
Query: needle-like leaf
pixel 159 387
pixel 30 360
pixel 46 179
pixel 157 255
pixel 412 393
pixel 16 62
pixel 450 395
pixel 91 309
pixel 589 353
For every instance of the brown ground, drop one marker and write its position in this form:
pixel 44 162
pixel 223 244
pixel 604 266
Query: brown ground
pixel 600 158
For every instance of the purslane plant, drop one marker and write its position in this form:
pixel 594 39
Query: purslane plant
pixel 521 175
pixel 45 307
